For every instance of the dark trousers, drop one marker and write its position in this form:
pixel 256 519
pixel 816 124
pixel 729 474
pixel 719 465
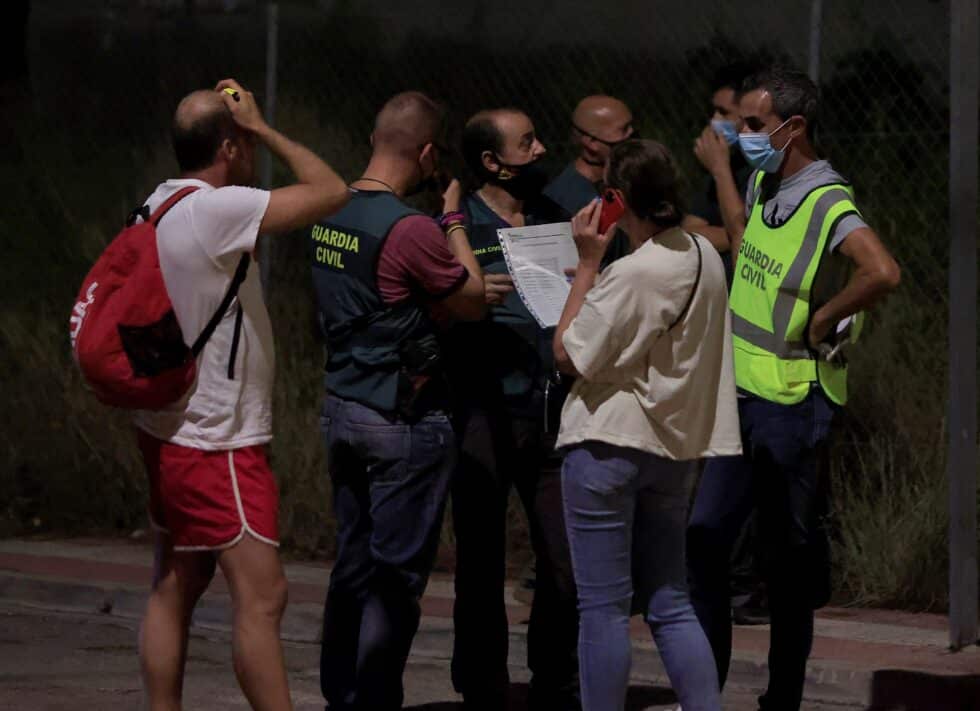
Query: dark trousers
pixel 390 482
pixel 746 564
pixel 778 475
pixel 499 452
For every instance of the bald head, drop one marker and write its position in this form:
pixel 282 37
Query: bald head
pixel 599 122
pixel 494 115
pixel 485 129
pixel 201 123
pixel 406 122
pixel 605 117
pixel 199 105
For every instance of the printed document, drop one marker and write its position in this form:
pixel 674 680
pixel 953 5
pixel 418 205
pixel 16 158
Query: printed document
pixel 537 257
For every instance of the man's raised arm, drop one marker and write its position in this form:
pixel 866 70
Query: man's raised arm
pixel 318 192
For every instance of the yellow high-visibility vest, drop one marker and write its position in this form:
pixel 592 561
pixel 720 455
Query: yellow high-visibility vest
pixel 771 300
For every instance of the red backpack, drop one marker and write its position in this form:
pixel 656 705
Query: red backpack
pixel 124 333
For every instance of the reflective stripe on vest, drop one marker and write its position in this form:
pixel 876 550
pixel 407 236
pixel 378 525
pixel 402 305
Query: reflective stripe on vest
pixel 771 303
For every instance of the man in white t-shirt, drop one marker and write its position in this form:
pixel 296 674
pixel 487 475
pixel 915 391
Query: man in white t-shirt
pixel 213 498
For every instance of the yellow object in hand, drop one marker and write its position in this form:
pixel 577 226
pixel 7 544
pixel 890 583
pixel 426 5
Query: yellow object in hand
pixel 232 93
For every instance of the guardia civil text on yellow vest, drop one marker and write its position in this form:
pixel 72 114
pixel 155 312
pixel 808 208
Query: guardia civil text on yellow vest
pixel 771 299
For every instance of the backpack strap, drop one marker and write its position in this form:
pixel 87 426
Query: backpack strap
pixel 143 211
pixel 236 282
pixel 235 340
pixel 140 213
pixel 169 203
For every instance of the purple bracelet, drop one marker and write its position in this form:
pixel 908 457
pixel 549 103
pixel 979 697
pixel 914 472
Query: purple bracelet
pixel 447 219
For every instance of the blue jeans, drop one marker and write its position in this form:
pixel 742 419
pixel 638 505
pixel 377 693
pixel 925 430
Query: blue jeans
pixel 778 475
pixel 390 483
pixel 626 512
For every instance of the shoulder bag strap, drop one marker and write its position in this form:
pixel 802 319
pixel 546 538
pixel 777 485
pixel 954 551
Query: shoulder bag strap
pixel 694 289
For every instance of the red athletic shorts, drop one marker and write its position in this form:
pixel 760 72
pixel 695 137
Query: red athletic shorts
pixel 208 500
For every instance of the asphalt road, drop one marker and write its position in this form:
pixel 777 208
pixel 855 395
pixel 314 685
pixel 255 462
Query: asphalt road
pixel 51 661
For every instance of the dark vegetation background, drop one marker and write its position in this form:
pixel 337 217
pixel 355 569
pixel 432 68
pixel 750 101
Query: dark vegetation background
pixel 88 90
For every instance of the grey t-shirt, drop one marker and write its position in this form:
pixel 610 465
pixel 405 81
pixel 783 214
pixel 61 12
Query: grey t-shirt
pixel 792 191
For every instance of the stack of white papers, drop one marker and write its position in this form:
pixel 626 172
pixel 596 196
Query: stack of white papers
pixel 537 258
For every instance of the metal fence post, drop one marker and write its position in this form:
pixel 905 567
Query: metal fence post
pixel 816 29
pixel 961 465
pixel 271 89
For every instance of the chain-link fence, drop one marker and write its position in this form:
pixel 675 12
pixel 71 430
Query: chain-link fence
pixel 105 75
pixel 883 70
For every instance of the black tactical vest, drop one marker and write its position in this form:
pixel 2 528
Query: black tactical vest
pixel 378 355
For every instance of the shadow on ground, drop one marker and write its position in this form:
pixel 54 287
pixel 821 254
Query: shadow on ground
pixel 899 690
pixel 637 699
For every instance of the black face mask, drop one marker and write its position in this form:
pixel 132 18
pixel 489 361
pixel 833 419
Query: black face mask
pixel 521 181
pixel 437 182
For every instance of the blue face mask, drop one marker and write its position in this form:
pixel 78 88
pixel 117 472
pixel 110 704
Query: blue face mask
pixel 758 151
pixel 725 129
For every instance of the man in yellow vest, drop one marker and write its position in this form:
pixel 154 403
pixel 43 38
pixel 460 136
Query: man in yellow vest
pixel 807 265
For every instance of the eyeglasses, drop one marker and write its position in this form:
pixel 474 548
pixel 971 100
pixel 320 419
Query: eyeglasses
pixel 632 134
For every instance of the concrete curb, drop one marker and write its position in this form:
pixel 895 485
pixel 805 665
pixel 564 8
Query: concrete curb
pixel 302 624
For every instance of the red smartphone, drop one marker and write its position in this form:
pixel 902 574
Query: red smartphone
pixel 612 209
